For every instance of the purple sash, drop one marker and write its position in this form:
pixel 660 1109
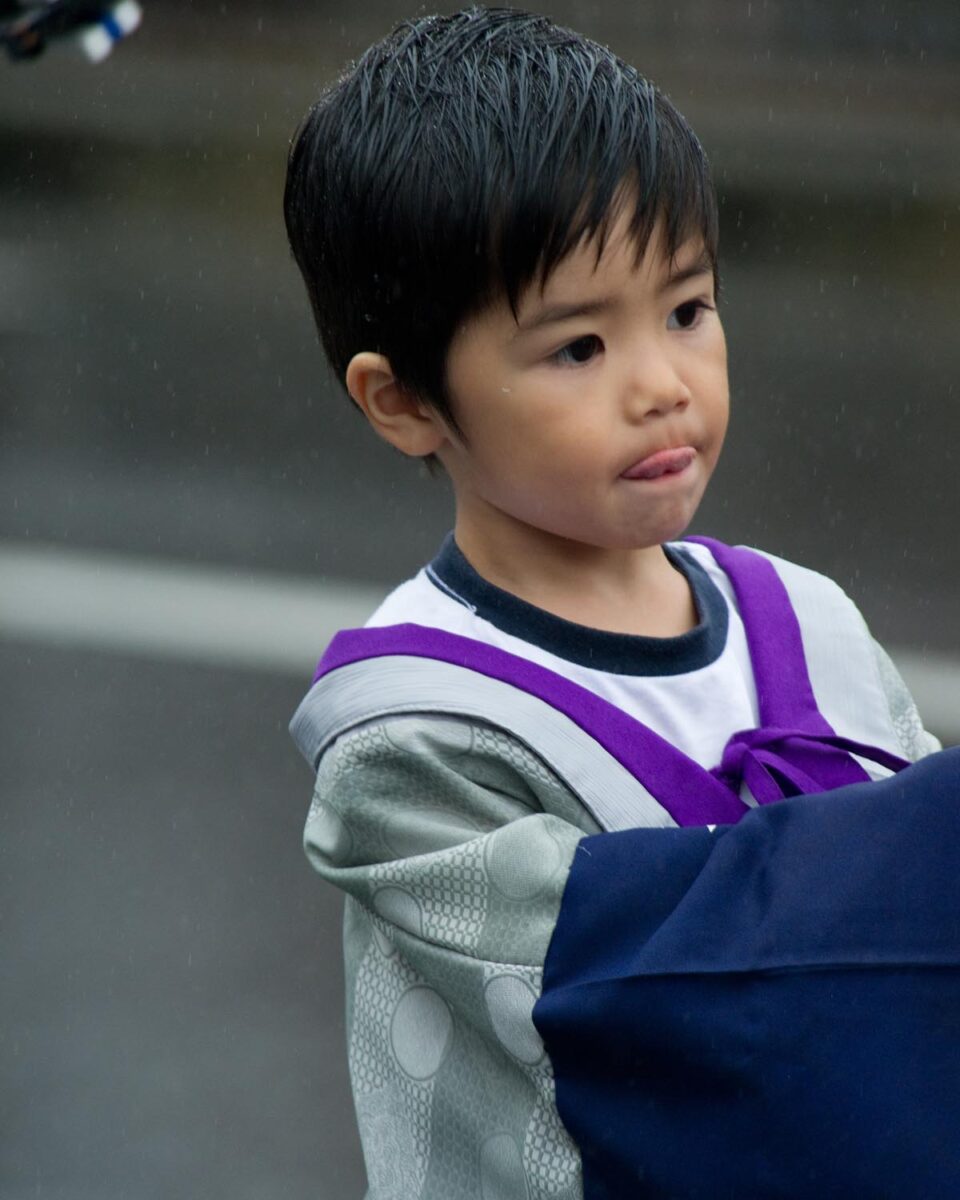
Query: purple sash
pixel 795 751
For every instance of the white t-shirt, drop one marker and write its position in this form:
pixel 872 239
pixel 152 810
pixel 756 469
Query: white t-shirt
pixel 695 690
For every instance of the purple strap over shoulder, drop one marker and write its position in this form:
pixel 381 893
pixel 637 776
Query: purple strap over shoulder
pixel 690 794
pixel 784 692
pixel 794 752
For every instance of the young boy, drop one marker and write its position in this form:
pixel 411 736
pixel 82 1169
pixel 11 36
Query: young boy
pixel 509 239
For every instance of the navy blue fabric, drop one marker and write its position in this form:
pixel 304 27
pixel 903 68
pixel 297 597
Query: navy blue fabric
pixel 771 1009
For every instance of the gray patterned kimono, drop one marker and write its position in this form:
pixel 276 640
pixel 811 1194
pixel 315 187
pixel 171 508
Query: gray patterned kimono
pixel 449 807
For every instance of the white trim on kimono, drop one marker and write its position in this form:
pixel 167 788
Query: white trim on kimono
pixel 396 685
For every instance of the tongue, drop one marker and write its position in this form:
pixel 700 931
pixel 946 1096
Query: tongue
pixel 664 462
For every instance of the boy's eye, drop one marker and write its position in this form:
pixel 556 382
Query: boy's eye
pixel 685 316
pixel 580 351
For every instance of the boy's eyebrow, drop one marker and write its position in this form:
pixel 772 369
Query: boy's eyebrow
pixel 563 312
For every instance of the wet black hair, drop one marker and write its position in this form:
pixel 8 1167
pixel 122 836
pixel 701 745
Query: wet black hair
pixel 458 161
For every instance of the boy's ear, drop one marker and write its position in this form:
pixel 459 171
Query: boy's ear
pixel 395 413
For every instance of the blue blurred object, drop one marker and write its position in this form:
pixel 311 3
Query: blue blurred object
pixel 27 29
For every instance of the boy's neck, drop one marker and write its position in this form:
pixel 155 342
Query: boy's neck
pixel 632 591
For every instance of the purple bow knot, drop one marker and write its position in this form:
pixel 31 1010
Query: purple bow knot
pixel 777 763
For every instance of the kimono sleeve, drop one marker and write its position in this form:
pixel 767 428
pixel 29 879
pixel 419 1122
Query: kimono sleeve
pixel 916 741
pixel 453 843
pixel 774 1010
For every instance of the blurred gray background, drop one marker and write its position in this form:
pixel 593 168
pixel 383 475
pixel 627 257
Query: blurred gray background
pixel 188 508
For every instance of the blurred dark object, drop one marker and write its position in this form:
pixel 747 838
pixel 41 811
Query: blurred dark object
pixel 27 29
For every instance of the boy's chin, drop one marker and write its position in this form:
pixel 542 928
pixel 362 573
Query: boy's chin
pixel 646 541
pixel 666 531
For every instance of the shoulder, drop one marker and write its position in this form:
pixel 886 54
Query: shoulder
pixel 832 629
pixel 397 605
pixel 427 762
pixel 415 745
pixel 422 600
pixel 807 588
pixel 840 651
pixel 818 600
pixel 857 688
pixel 531 725
pixel 801 576
pixel 821 607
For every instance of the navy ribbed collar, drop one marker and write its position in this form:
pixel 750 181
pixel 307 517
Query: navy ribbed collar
pixel 620 653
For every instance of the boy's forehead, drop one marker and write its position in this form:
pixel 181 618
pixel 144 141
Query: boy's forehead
pixel 618 256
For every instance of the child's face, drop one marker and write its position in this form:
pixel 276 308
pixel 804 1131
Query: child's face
pixel 598 415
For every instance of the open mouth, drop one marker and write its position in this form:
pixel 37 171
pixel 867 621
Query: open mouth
pixel 663 462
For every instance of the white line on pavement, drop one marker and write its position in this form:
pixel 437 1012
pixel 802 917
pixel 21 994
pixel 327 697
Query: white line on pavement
pixel 82 598
pixel 254 619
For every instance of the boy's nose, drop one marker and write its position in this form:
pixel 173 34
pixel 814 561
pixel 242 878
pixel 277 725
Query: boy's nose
pixel 655 388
